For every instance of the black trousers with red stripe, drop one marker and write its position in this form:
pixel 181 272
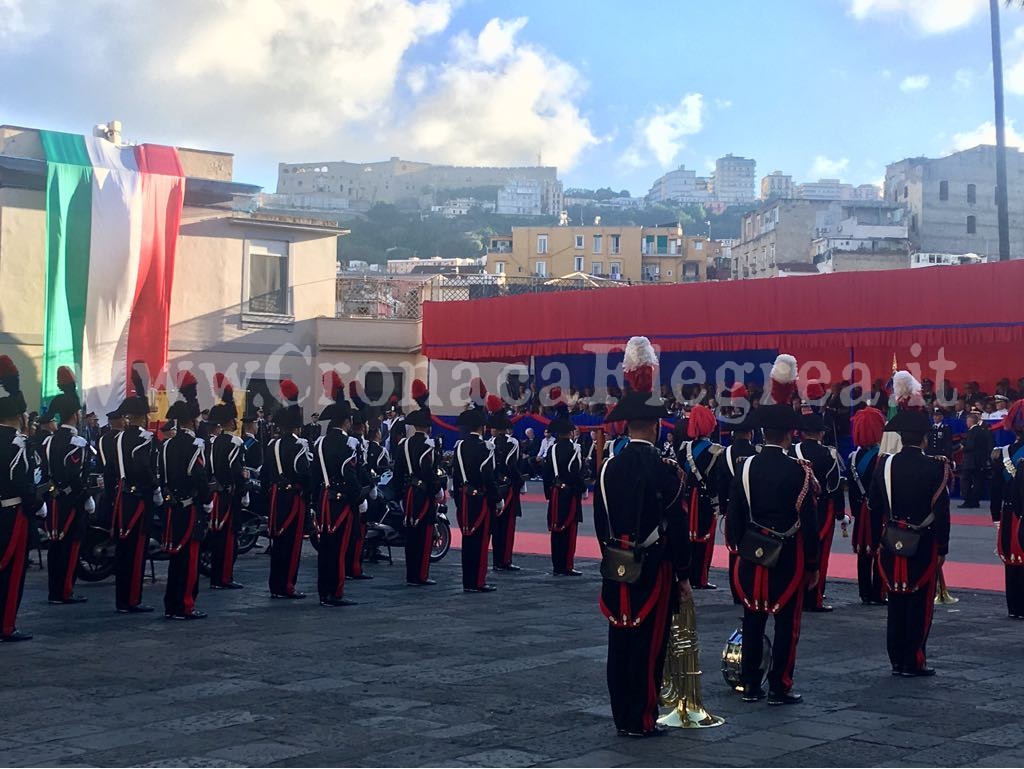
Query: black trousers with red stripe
pixel 908 626
pixel 474 556
pixel 869 579
pixel 223 544
pixel 1015 590
pixel 14 526
pixel 787 635
pixel 503 535
pixel 356 540
pixel 330 561
pixel 700 557
pixel 286 546
pixel 419 540
pixel 563 548
pixel 733 557
pixel 130 553
pixel 182 580
pixel 62 553
pixel 816 597
pixel 636 659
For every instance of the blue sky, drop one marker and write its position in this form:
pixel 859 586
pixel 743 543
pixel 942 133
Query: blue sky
pixel 613 93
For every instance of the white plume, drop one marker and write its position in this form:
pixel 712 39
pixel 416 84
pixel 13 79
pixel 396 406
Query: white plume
pixel 639 352
pixel 784 369
pixel 904 386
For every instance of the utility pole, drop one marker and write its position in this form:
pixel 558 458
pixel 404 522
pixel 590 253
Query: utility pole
pixel 1002 206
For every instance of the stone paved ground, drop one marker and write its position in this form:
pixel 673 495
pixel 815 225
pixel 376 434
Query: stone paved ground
pixel 436 677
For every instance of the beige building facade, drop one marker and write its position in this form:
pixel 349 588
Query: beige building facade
pixel 626 253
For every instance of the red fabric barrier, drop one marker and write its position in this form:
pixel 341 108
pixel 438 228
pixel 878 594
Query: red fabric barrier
pixel 969 308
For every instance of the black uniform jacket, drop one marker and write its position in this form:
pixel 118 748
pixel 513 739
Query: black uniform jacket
pixel 702 460
pixel 637 494
pixel 730 465
pixel 828 472
pixel 863 462
pixel 1006 506
pixel 66 459
pixel 336 477
pixel 918 489
pixel 476 490
pixel 506 455
pixel 286 468
pixel 781 499
pixel 417 476
pixel 564 484
pixel 18 491
pixel 182 466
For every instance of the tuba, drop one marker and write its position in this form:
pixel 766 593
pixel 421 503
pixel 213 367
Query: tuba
pixel 942 594
pixel 680 683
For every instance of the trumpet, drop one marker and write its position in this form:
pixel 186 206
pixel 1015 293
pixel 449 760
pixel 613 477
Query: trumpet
pixel 680 683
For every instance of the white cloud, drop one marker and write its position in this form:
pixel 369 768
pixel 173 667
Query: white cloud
pixel 963 79
pixel 985 134
pixel 828 168
pixel 930 17
pixel 1013 67
pixel 499 101
pixel 914 83
pixel 723 103
pixel 886 74
pixel 662 134
pixel 293 80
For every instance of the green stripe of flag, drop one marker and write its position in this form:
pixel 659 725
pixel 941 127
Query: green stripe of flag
pixel 68 236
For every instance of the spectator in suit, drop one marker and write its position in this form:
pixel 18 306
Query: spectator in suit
pixel 977 450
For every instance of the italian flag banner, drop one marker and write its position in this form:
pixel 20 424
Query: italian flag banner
pixel 112 218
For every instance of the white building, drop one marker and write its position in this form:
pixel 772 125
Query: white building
pixel 734 179
pixel 681 186
pixel 776 186
pixel 521 198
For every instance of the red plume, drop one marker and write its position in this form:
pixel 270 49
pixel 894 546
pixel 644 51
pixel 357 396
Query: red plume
pixel 868 424
pixel 420 393
pixel 737 391
pixel 494 404
pixel 702 422
pixel 7 367
pixel 186 379
pixel 289 390
pixel 814 391
pixel 477 391
pixel 65 379
pixel 332 384
pixel 555 394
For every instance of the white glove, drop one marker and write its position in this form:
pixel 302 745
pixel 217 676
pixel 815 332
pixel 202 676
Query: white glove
pixel 245 499
pixel 847 520
pixel 489 443
pixel 500 506
pixel 158 497
pixel 208 508
pixel 42 511
pixel 90 505
pixel 430 442
pixel 353 442
pixel 303 442
pixel 439 496
pixel 373 493
pixel 363 507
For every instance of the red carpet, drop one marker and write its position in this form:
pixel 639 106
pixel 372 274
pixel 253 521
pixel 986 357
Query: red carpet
pixel 968 576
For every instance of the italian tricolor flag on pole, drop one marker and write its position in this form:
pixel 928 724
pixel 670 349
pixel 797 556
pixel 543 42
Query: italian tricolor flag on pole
pixel 112 218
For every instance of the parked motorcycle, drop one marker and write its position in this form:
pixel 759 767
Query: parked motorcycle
pixel 385 525
pixel 388 529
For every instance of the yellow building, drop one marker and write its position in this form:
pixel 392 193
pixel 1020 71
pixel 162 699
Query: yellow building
pixel 627 253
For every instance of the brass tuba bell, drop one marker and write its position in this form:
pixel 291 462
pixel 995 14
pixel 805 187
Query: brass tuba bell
pixel 680 683
pixel 942 594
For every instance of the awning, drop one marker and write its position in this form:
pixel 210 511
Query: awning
pixel 970 305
